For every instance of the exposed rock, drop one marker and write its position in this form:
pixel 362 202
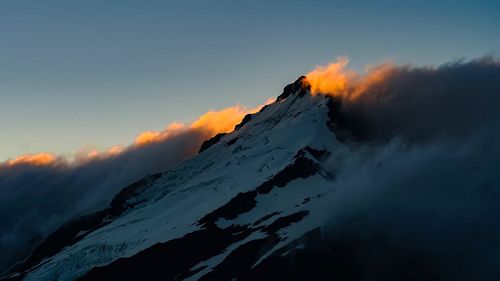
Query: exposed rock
pixel 208 143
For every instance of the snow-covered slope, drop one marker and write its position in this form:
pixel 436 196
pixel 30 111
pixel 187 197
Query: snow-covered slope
pixel 248 201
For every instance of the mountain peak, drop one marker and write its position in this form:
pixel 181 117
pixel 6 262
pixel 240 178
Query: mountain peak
pixel 300 87
pixel 217 204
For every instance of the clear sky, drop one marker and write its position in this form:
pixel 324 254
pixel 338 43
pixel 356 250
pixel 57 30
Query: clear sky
pixel 76 74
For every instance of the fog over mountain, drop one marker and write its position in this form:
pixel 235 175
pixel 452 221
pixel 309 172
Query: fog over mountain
pixel 390 174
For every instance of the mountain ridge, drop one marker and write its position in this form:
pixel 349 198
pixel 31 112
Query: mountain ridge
pixel 301 164
pixel 396 182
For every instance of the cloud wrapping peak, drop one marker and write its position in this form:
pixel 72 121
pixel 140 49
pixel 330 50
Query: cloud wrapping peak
pixel 412 102
pixel 417 179
pixel 417 186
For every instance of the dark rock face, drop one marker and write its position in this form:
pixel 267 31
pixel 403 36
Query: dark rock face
pixel 171 260
pixel 207 242
pixel 317 256
pixel 208 143
pixel 287 91
pixel 175 259
pixel 302 167
pixel 310 262
pixel 241 259
pixel 285 221
pixel 243 202
pixel 265 218
pixel 314 256
pixel 245 120
pixel 300 85
pixel 119 203
pixel 319 154
pixel 231 142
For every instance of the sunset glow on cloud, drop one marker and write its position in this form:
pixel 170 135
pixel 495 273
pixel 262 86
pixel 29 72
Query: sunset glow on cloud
pixel 38 159
pixel 332 78
pixel 155 136
pixel 136 141
pixel 402 115
pixel 209 124
pixel 336 80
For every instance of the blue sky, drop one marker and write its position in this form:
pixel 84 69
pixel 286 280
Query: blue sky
pixel 76 74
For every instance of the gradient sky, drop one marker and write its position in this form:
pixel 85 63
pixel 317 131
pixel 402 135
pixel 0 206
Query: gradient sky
pixel 79 74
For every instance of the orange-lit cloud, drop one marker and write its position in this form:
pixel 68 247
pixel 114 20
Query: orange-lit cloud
pixel 209 124
pixel 155 136
pixel 336 80
pixel 417 117
pixel 87 154
pixel 114 150
pixel 331 79
pixel 39 159
pixel 147 137
pixel 222 121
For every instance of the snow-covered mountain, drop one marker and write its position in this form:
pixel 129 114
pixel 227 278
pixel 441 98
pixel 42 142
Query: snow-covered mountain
pixel 397 183
pixel 250 206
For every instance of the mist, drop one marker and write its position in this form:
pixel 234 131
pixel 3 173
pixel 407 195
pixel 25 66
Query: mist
pixel 35 200
pixel 416 181
pixel 417 186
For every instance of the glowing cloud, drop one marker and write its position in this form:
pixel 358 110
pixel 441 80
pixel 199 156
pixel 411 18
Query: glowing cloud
pixel 222 121
pixel 335 79
pixel 147 137
pixel 330 79
pixel 86 155
pixel 115 150
pixel 39 159
pixel 155 136
pixel 208 124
